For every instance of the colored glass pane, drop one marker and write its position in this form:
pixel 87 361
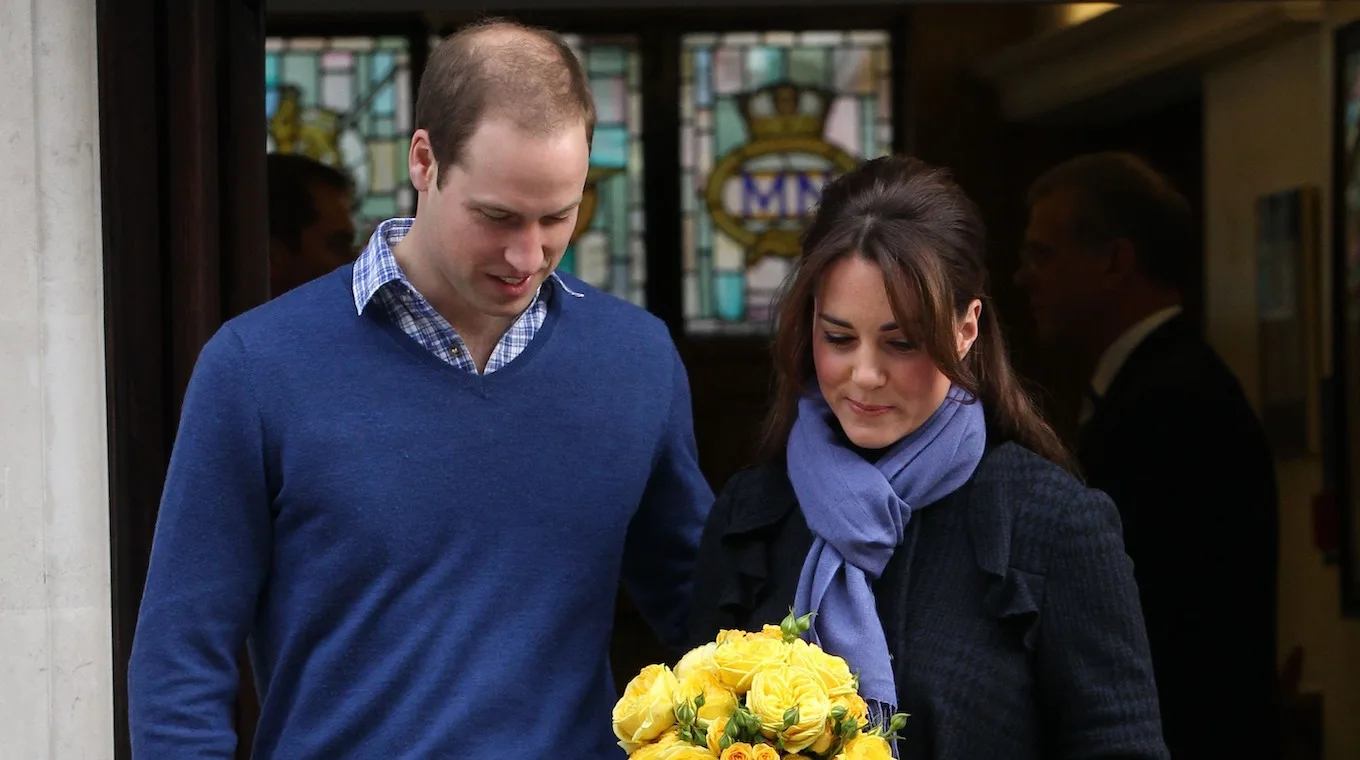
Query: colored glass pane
pixel 607 248
pixel 346 102
pixel 767 118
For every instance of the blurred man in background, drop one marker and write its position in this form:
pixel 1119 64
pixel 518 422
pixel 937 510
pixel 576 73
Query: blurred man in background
pixel 1168 433
pixel 311 231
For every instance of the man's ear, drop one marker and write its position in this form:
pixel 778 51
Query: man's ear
pixel 1123 260
pixel 420 163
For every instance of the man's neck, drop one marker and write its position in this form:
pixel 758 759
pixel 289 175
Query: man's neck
pixel 1124 336
pixel 480 333
pixel 1124 315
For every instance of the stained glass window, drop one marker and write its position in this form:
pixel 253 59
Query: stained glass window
pixel 607 248
pixel 767 119
pixel 346 102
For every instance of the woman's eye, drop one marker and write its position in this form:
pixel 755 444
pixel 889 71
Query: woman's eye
pixel 902 345
pixel 837 340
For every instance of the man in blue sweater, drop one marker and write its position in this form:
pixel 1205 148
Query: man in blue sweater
pixel 413 484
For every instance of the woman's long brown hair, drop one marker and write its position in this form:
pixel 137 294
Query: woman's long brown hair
pixel 928 238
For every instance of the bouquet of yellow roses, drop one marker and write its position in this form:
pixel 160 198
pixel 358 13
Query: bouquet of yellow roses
pixel 752 696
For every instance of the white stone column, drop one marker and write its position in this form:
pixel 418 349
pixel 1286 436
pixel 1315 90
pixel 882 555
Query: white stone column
pixel 56 679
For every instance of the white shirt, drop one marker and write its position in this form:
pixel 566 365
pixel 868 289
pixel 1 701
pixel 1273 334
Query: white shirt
pixel 1117 354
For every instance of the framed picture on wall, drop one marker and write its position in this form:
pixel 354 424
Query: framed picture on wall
pixel 1343 460
pixel 1287 317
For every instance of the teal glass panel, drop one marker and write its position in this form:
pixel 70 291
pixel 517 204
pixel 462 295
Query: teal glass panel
pixel 339 100
pixel 601 251
pixel 609 59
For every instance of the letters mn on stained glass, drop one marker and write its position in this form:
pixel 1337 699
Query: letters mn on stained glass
pixel 767 119
pixel 346 102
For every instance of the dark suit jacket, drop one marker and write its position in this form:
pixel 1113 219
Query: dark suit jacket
pixel 1010 610
pixel 1176 445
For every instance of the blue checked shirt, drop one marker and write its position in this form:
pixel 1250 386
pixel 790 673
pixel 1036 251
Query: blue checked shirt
pixel 379 279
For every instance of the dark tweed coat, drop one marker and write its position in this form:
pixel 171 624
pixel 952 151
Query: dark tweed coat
pixel 1010 610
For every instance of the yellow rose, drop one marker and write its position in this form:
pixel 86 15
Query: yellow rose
pixel 824 741
pixel 683 751
pixel 697 659
pixel 738 660
pixel 774 690
pixel 647 707
pixel 715 734
pixel 770 632
pixel 866 747
pixel 831 670
pixel 718 700
pixel 738 751
pixel 730 635
pixel 765 752
pixel 652 751
pixel 854 705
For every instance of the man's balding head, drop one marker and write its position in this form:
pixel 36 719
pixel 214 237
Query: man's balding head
pixel 499 68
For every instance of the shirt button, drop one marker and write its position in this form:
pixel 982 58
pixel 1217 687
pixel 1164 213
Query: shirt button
pixel 455 350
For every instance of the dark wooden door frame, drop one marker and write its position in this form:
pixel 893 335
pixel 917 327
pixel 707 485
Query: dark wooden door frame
pixel 184 240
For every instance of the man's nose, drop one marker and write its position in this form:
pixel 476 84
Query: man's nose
pixel 525 253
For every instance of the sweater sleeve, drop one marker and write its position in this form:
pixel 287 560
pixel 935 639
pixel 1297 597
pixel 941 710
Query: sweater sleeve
pixel 209 559
pixel 663 538
pixel 1094 671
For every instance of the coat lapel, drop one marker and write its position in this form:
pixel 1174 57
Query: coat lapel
pixel 1126 386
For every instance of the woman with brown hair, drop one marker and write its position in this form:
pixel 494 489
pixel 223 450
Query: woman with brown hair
pixel 913 498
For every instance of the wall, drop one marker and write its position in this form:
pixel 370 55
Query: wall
pixel 55 646
pixel 1267 123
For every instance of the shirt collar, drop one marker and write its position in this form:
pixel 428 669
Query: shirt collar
pixel 1119 351
pixel 377 266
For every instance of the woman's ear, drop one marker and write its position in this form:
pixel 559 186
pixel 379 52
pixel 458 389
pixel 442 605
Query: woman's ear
pixel 967 331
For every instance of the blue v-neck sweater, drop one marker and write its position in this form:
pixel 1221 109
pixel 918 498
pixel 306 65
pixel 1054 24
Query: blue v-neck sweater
pixel 424 559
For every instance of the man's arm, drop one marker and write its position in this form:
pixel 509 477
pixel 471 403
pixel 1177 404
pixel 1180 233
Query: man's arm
pixel 663 539
pixel 1201 503
pixel 208 563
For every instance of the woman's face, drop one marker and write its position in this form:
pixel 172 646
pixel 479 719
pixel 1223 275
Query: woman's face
pixel 880 385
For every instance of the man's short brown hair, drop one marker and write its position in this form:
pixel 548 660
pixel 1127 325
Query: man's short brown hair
pixel 1116 194
pixel 500 67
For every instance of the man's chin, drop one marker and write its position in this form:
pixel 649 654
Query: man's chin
pixel 508 307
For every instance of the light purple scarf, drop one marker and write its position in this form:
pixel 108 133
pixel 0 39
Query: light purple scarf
pixel 858 512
